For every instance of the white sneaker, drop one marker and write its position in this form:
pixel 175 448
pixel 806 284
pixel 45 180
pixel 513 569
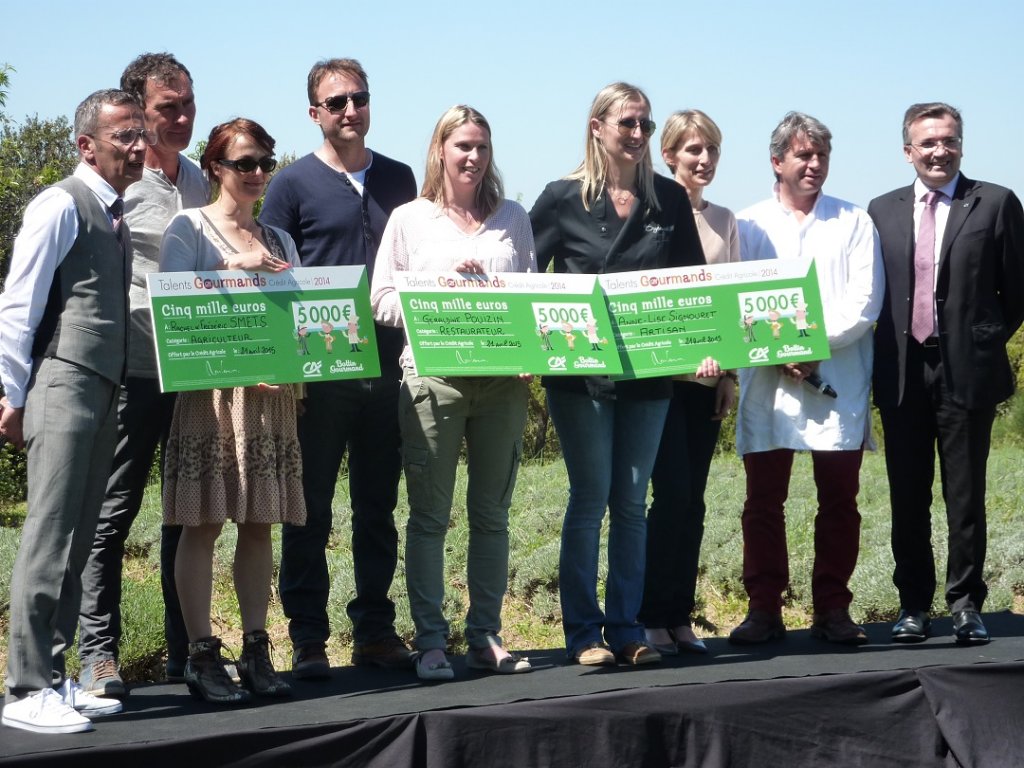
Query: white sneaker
pixel 44 712
pixel 91 706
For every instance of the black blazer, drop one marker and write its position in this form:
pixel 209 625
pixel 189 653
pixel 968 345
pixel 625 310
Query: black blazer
pixel 979 292
pixel 581 241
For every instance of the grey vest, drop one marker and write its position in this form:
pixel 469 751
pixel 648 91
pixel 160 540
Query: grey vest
pixel 86 317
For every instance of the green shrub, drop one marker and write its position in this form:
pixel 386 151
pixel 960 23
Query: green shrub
pixel 9 538
pixel 13 483
pixel 540 442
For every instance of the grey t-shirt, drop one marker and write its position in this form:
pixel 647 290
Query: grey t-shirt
pixel 149 205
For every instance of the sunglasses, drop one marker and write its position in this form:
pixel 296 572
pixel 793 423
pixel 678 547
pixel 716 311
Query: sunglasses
pixel 335 104
pixel 627 125
pixel 250 164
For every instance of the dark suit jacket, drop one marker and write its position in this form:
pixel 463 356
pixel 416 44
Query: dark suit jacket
pixel 979 292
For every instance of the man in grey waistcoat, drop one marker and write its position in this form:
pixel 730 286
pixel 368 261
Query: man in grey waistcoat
pixel 63 353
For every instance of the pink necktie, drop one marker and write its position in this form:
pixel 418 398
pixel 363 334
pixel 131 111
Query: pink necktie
pixel 922 321
pixel 117 216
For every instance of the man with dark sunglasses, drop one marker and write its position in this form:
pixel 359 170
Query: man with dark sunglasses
pixel 334 202
pixel 170 181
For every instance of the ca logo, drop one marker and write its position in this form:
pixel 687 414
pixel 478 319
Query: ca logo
pixel 312 368
pixel 557 363
pixel 758 354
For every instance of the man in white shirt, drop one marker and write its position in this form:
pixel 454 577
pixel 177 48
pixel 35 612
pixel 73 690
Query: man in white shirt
pixel 63 350
pixel 779 414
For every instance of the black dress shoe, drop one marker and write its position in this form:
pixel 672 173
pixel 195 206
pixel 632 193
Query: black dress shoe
pixel 911 627
pixel 968 628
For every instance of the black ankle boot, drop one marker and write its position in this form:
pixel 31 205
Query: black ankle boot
pixel 205 675
pixel 257 670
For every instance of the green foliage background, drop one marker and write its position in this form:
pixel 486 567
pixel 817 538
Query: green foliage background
pixel 33 155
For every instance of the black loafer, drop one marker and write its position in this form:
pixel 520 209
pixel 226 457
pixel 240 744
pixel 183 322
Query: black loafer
pixel 911 627
pixel 968 628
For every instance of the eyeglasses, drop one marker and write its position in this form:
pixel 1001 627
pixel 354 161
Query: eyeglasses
pixel 627 125
pixel 129 137
pixel 336 104
pixel 951 144
pixel 250 164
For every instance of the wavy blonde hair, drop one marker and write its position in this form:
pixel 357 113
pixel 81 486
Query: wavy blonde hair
pixel 491 190
pixel 593 171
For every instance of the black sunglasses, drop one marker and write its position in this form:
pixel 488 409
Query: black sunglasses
pixel 335 104
pixel 250 164
pixel 628 124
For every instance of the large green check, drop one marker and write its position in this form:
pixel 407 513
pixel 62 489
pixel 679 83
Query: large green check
pixel 742 314
pixel 234 328
pixel 627 324
pixel 506 323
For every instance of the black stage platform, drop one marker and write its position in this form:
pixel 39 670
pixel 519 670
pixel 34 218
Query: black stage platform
pixel 796 703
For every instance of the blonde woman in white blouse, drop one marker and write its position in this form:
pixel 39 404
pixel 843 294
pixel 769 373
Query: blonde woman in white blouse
pixel 691 145
pixel 460 222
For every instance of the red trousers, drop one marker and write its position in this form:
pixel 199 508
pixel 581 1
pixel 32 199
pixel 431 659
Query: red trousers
pixel 836 528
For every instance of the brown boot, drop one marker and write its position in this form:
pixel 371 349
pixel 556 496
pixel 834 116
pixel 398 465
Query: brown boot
pixel 257 670
pixel 836 626
pixel 759 627
pixel 205 675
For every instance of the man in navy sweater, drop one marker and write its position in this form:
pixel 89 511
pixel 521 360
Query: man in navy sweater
pixel 334 202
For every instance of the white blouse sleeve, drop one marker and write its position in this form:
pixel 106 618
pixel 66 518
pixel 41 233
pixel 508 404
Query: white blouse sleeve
pixel 392 256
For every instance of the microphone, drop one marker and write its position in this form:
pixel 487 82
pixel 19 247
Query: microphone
pixel 815 381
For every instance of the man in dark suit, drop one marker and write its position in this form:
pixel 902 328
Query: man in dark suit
pixel 953 250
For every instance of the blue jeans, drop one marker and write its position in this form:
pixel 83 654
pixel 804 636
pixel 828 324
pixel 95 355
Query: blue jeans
pixel 359 416
pixel 609 447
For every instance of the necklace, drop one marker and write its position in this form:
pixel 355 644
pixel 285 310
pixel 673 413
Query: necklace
pixel 466 219
pixel 246 235
pixel 621 196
